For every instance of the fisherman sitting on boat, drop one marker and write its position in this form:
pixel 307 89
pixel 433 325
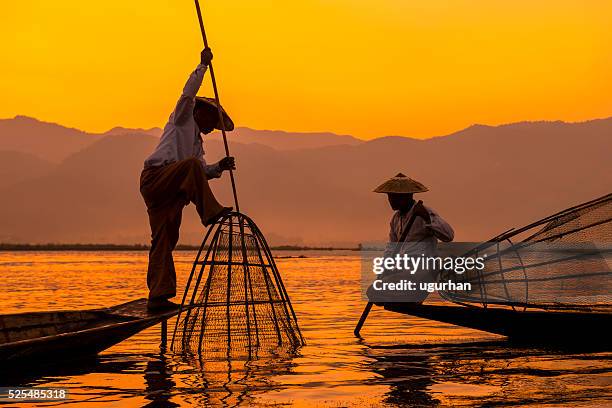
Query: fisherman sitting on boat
pixel 177 174
pixel 415 230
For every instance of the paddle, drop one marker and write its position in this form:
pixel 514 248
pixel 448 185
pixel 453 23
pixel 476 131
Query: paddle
pixel 366 311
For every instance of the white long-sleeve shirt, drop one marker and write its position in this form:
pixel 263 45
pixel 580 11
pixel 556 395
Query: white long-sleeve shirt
pixel 181 137
pixel 422 235
pixel 422 240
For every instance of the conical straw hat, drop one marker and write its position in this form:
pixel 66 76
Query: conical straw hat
pixel 401 184
pixel 211 104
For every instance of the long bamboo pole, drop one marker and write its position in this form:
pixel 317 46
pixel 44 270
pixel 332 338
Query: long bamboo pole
pixel 368 307
pixel 221 121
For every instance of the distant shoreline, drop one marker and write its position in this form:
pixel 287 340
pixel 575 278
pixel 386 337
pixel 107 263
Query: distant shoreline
pixel 140 247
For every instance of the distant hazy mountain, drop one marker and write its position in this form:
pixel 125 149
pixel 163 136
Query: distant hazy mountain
pixel 118 130
pixel 483 179
pixel 281 140
pixel 53 142
pixel 16 167
pixel 47 141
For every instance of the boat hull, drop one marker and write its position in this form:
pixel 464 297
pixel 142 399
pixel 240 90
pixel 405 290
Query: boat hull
pixel 69 335
pixel 530 326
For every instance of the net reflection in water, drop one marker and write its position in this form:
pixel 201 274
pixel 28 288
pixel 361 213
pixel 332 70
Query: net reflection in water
pixel 232 382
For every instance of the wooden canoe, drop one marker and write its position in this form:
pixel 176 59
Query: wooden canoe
pixel 63 335
pixel 529 326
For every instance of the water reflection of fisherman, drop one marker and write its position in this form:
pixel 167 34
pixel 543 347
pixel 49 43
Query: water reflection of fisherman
pixel 409 375
pixel 421 239
pixel 159 383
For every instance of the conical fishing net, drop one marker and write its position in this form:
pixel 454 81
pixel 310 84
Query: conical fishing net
pixel 235 303
pixel 561 262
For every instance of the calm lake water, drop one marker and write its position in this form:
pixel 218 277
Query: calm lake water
pixel 401 361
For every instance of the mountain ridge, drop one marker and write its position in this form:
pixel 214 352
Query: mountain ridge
pixel 485 180
pixel 278 139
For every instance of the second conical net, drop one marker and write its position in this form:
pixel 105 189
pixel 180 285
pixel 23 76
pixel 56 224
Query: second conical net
pixel 235 303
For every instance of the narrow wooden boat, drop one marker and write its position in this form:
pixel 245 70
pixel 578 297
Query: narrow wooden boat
pixel 529 326
pixel 62 335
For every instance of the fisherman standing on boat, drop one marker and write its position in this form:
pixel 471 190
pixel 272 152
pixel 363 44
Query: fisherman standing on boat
pixel 415 229
pixel 177 174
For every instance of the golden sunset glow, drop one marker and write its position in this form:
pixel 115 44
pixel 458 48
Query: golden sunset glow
pixel 366 68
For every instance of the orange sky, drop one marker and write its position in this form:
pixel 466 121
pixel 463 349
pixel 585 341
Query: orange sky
pixel 367 68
